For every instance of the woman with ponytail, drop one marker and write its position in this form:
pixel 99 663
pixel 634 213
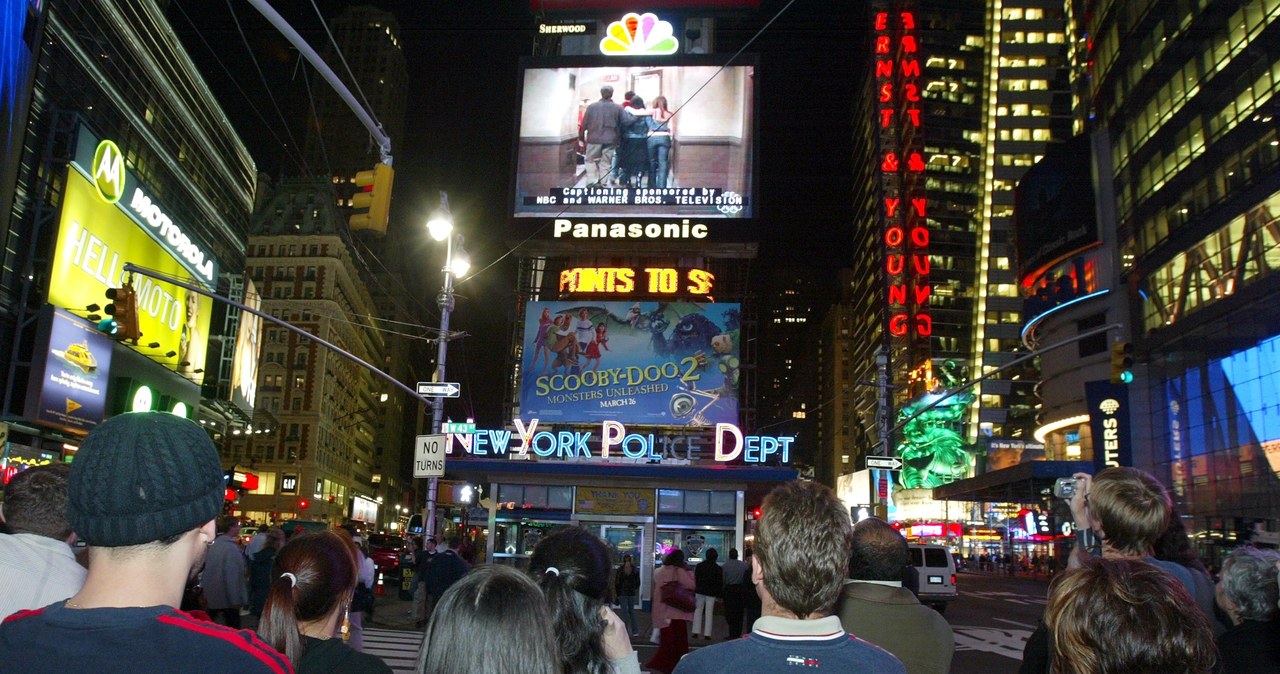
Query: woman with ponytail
pixel 573 568
pixel 312 582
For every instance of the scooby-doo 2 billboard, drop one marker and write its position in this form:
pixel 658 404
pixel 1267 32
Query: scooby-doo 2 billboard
pixel 655 363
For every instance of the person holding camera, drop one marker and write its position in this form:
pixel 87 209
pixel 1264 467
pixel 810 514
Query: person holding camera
pixel 1118 514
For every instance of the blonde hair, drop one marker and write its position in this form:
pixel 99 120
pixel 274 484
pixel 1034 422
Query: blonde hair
pixel 1132 507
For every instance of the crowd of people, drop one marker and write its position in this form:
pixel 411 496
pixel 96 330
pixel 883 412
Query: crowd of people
pixel 815 590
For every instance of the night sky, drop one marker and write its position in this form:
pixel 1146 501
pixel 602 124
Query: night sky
pixel 463 60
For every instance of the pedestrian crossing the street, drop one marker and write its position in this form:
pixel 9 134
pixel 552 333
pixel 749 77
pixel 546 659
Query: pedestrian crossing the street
pixel 397 648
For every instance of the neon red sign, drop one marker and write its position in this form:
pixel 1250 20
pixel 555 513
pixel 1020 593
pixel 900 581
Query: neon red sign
pixel 906 235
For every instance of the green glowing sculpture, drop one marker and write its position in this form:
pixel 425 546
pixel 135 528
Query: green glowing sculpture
pixel 933 450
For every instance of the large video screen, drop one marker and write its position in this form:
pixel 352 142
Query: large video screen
pixel 699 162
pixel 658 363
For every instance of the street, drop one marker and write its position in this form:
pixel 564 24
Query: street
pixel 992 619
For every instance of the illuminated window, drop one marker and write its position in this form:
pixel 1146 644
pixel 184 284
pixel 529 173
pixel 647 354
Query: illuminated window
pixel 1011 13
pixel 1054 38
pixel 1035 38
pixel 266 484
pixel 1039 85
pixel 1034 14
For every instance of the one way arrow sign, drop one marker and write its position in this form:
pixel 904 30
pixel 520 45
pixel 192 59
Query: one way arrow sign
pixel 884 462
pixel 442 389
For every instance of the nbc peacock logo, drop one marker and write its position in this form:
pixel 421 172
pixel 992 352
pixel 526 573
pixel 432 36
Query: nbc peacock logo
pixel 639 34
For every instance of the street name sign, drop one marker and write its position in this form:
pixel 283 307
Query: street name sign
pixel 884 462
pixel 428 455
pixel 458 427
pixel 439 389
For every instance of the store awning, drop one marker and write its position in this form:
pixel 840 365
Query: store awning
pixel 1028 482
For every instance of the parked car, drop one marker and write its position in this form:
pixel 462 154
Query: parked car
pixel 937 569
pixel 385 550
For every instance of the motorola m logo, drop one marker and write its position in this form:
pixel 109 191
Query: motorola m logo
pixel 108 171
pixel 1109 406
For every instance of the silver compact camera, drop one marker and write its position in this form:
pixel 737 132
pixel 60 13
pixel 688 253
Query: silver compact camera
pixel 1065 487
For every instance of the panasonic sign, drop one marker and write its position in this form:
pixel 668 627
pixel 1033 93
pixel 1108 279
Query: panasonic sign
pixel 629 230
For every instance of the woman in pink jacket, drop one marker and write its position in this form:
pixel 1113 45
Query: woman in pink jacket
pixel 673 639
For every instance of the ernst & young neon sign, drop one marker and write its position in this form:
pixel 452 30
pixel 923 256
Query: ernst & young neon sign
pixel 614 442
pixel 625 280
pixel 902 167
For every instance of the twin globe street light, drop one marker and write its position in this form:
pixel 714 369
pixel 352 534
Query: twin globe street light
pixel 456 264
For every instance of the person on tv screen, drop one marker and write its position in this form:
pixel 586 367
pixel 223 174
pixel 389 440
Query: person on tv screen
pixel 601 130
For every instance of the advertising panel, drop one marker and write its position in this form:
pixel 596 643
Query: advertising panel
pixel 74 376
pixel 1109 423
pixel 364 510
pixel 660 363
pixel 697 165
pixel 95 240
pixel 244 370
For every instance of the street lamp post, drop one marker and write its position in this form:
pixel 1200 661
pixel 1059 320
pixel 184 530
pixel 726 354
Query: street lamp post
pixel 441 229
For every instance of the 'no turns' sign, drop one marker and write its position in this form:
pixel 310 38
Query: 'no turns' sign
pixel 428 455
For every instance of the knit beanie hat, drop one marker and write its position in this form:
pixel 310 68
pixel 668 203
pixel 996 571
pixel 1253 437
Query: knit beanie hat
pixel 142 477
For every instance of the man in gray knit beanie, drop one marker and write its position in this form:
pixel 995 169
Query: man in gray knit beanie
pixel 144 491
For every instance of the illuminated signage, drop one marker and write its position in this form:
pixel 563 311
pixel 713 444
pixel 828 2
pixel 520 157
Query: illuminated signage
pixel 289 484
pixel 142 399
pixel 579 28
pixel 103 163
pixel 108 171
pixel 171 234
pixel 906 236
pixel 703 167
pixel 1109 423
pixel 644 362
pixel 614 442
pixel 72 389
pixel 363 510
pixel 633 230
pixel 626 280
pixel 94 241
pixel 639 34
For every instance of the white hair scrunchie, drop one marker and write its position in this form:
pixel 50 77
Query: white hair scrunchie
pixel 293 580
pixel 552 569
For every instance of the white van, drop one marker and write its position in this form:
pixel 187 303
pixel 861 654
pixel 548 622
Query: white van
pixel 937 570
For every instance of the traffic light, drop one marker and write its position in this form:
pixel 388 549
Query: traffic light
pixel 122 314
pixel 303 504
pixel 372 200
pixel 1121 363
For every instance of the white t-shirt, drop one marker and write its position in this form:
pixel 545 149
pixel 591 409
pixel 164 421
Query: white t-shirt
pixel 36 571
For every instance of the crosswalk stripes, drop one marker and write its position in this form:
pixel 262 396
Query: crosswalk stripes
pixel 397 648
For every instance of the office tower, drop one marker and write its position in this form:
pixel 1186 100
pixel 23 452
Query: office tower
pixel 1186 94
